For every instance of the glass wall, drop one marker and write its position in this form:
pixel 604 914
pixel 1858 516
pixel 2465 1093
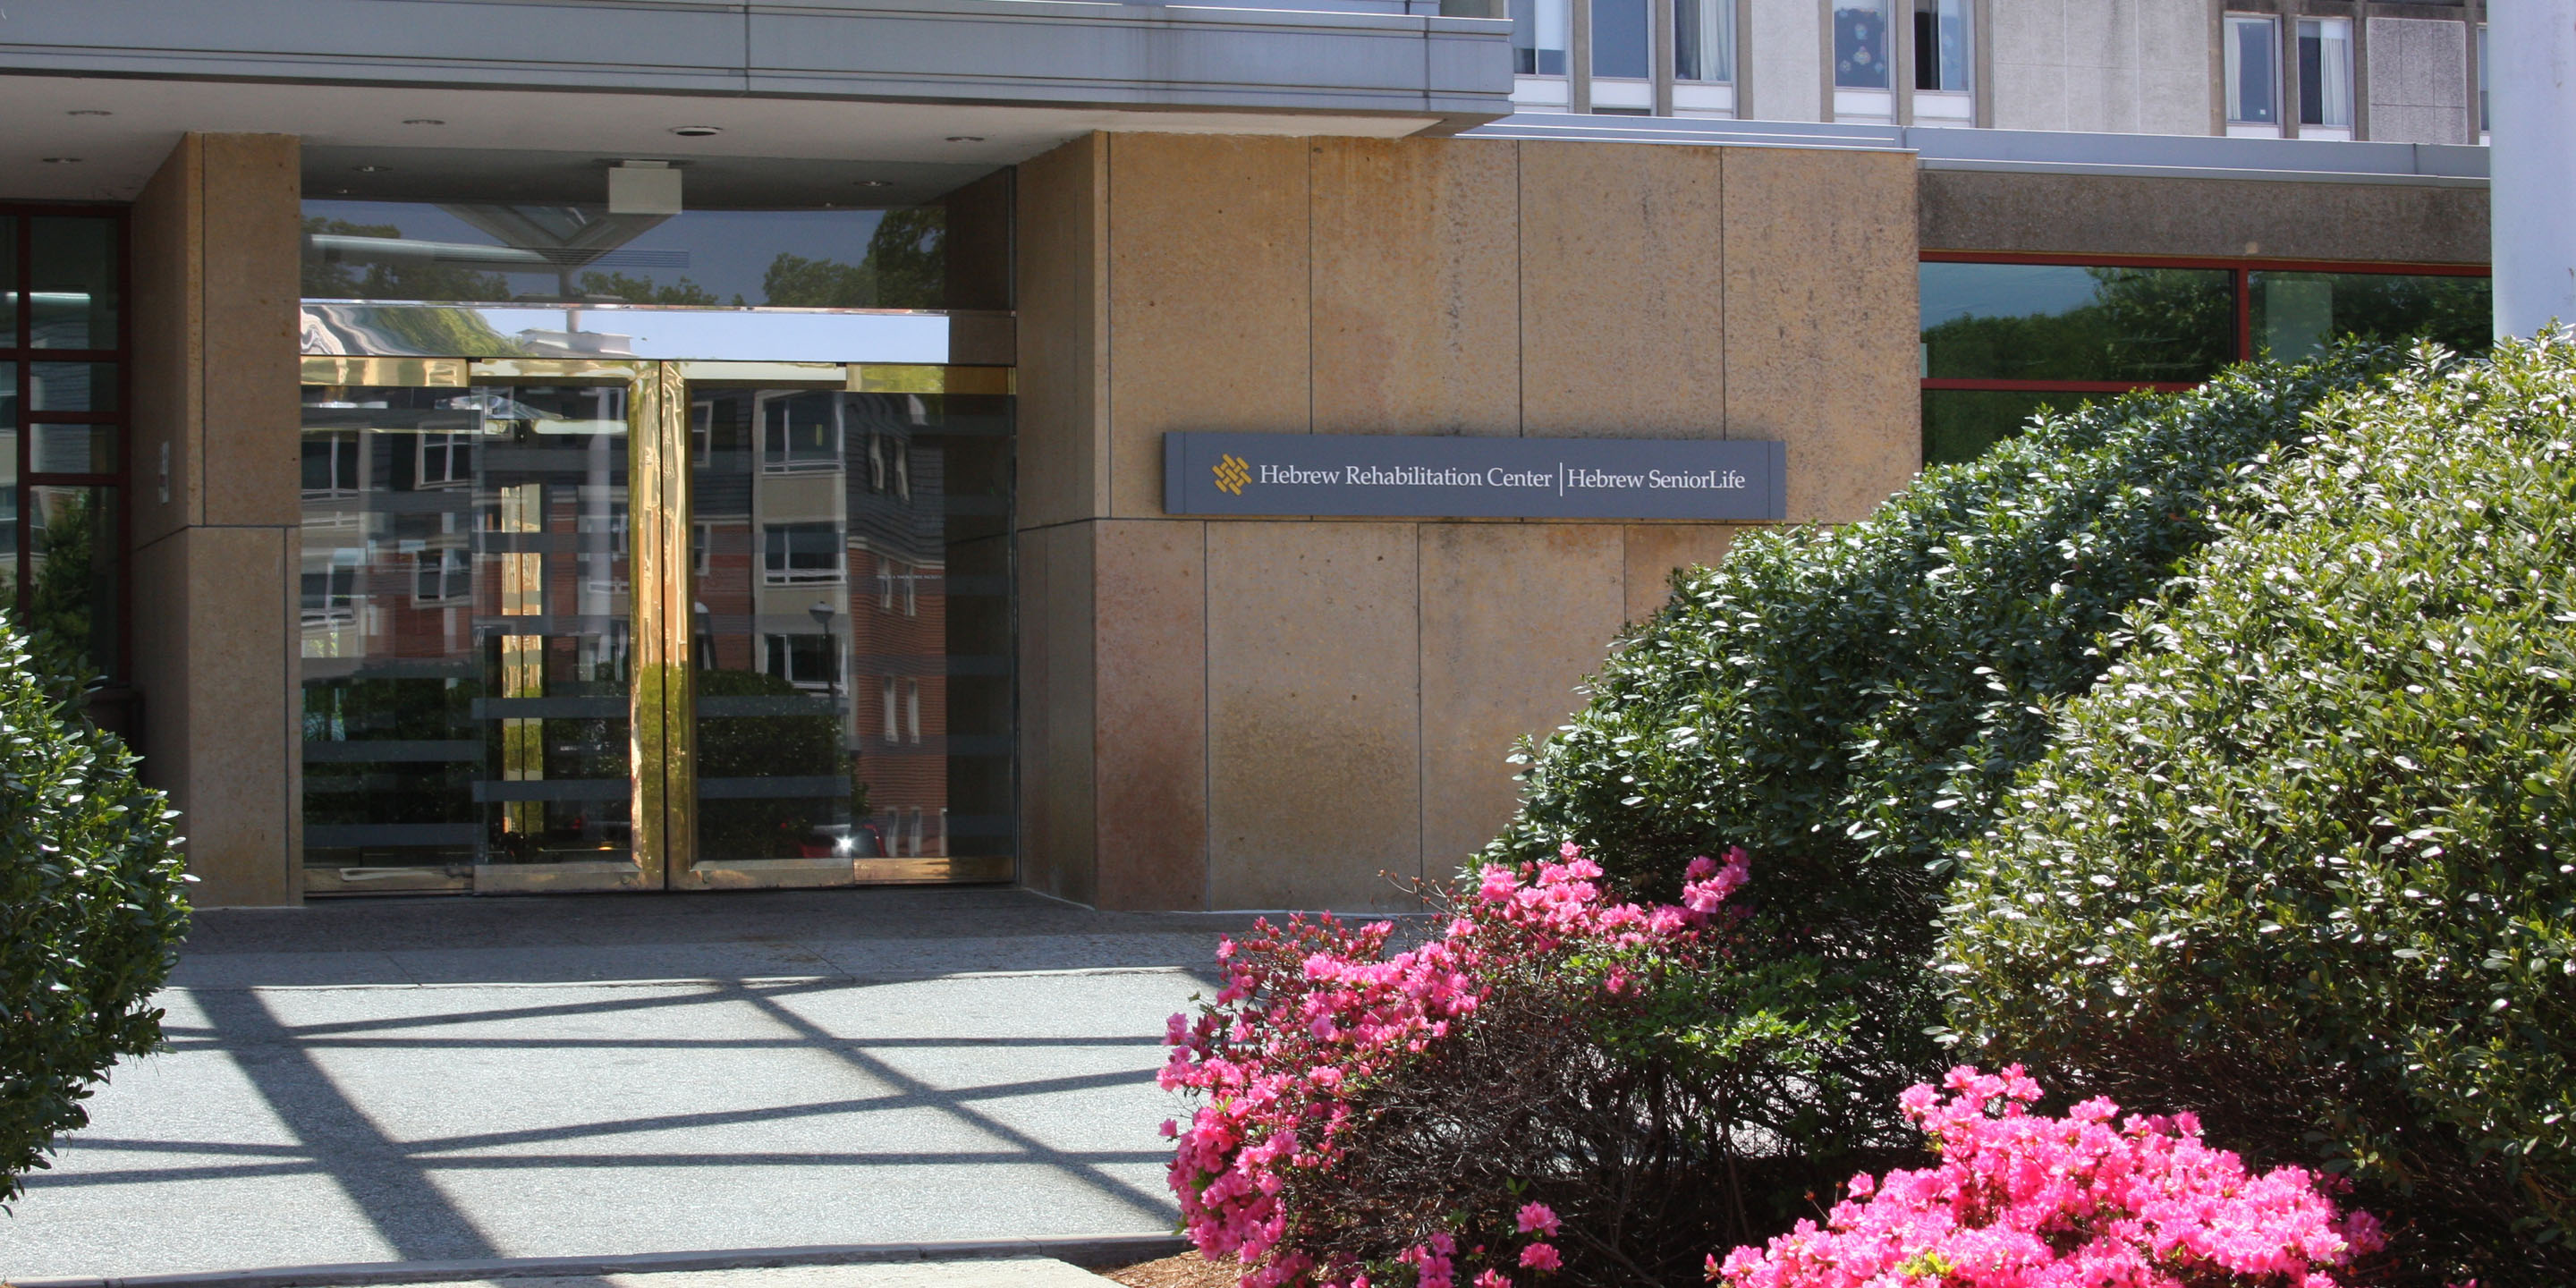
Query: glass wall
pixel 2001 340
pixel 2294 315
pixel 851 640
pixel 494 252
pixel 2070 322
pixel 62 448
pixel 466 632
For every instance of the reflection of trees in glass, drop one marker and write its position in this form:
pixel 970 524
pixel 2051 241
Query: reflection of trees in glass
pixel 1960 424
pixel 391 281
pixel 2142 324
pixel 2458 312
pixel 642 290
pixel 362 709
pixel 442 331
pixel 62 611
pixel 905 268
pixel 790 746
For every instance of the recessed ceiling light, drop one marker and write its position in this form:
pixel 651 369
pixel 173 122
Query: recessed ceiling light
pixel 965 138
pixel 62 160
pixel 696 131
pixel 89 111
pixel 876 183
pixel 424 120
pixel 370 169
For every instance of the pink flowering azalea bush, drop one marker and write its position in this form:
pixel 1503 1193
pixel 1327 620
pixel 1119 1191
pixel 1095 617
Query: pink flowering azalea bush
pixel 2090 1200
pixel 1553 1089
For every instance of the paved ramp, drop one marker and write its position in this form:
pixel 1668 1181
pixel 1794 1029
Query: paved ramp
pixel 425 1080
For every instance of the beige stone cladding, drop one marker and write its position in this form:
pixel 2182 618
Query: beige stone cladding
pixel 2419 82
pixel 215 508
pixel 1277 713
pixel 2120 66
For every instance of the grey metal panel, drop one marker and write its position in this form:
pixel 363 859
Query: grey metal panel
pixel 987 51
pixel 503 42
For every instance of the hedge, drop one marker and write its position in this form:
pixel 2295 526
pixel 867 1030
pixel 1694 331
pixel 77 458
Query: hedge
pixel 2305 860
pixel 1850 705
pixel 91 910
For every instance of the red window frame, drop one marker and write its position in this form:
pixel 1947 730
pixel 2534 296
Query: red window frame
pixel 22 355
pixel 2240 270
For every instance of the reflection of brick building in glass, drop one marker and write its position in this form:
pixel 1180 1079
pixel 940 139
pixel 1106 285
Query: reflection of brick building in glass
pixel 819 553
pixel 465 624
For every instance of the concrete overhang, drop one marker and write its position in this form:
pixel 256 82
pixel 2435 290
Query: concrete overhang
pixel 967 82
pixel 2041 151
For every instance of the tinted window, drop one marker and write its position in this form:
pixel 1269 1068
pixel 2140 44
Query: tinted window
pixel 2297 314
pixel 2073 322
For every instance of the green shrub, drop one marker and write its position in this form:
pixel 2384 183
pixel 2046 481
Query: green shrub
pixel 90 911
pixel 1849 704
pixel 2305 860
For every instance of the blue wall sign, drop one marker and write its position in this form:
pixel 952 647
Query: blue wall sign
pixel 1461 477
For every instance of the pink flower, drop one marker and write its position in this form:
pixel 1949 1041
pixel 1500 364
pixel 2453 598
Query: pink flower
pixel 2161 1207
pixel 1311 1009
pixel 1539 1217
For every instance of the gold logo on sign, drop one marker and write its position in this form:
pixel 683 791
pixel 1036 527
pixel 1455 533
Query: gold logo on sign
pixel 1232 474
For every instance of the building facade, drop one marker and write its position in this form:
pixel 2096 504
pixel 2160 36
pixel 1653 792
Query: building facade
pixel 540 445
pixel 2316 69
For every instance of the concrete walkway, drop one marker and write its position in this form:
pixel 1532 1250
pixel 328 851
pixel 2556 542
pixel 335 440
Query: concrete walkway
pixel 462 1079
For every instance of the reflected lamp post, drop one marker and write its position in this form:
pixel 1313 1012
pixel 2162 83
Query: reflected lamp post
pixel 821 612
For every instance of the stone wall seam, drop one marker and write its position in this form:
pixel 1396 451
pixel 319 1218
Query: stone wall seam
pixel 1207 727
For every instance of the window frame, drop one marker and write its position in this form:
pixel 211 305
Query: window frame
pixel 786 573
pixel 21 354
pixel 2323 25
pixel 2231 74
pixel 2239 268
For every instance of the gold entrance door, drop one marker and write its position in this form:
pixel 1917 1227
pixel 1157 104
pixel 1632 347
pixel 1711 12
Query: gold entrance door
pixel 621 625
pixel 848 644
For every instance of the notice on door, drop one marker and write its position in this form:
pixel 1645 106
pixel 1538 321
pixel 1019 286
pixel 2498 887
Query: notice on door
pixel 1474 478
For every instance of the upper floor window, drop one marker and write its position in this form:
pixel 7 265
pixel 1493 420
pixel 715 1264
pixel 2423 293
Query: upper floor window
pixel 1704 41
pixel 1941 45
pixel 1622 39
pixel 2253 70
pixel 446 460
pixel 793 552
pixel 2325 73
pixel 2485 122
pixel 1538 37
pixel 1862 50
pixel 799 433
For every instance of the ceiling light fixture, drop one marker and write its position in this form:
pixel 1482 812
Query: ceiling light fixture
pixel 424 120
pixel 697 131
pixel 89 111
pixel 370 169
pixel 965 138
pixel 62 160
pixel 876 183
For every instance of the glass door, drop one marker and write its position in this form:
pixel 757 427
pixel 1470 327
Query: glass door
pixel 606 625
pixel 849 650
pixel 469 628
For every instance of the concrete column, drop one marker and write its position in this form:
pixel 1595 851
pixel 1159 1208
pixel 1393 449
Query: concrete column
pixel 2532 163
pixel 216 511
